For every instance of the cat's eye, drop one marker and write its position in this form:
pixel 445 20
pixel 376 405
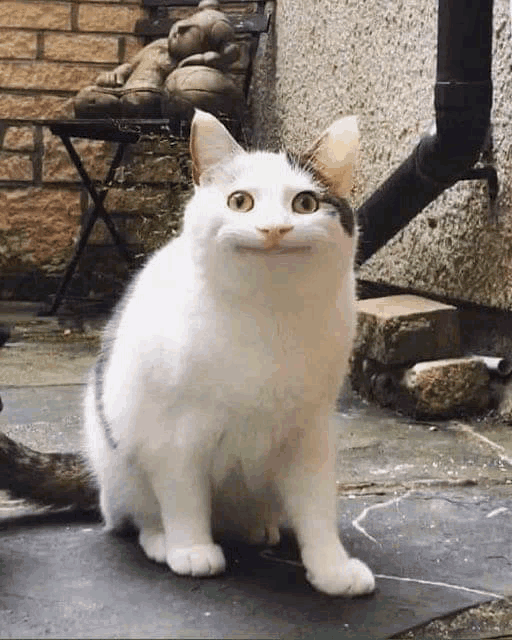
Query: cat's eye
pixel 305 202
pixel 241 201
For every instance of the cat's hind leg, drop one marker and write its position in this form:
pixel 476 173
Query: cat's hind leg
pixel 115 514
pixel 129 497
pixel 146 515
pixel 265 521
pixel 106 466
pixel 268 535
pixel 244 510
pixel 271 516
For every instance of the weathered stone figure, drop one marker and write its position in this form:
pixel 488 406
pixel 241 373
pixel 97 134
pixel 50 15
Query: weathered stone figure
pixel 173 75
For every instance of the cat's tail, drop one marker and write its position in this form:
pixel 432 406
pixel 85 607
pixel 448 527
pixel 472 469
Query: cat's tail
pixel 53 479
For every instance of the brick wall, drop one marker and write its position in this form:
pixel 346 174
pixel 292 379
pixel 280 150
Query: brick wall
pixel 49 49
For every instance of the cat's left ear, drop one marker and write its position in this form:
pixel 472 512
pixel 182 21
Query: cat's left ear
pixel 334 155
pixel 210 144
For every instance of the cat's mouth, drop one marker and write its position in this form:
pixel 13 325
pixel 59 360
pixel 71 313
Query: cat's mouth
pixel 274 251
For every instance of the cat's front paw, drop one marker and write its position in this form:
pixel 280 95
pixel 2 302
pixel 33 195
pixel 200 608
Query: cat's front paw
pixel 198 560
pixel 349 579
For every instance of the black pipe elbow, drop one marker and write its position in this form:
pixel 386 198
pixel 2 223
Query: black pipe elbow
pixel 463 111
pixel 463 101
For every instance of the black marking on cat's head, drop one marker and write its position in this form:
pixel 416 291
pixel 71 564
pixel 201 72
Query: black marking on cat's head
pixel 340 207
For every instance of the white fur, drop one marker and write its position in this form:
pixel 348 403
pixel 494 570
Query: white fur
pixel 223 368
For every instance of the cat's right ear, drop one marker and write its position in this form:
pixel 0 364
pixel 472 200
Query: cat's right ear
pixel 210 144
pixel 334 155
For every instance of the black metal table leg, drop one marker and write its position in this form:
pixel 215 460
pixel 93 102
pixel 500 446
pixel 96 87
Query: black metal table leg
pixel 98 198
pixel 70 269
pixel 96 211
pixel 122 132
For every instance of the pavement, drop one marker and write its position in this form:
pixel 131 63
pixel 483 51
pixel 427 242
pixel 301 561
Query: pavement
pixel 428 505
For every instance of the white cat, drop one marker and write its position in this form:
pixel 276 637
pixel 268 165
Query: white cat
pixel 208 411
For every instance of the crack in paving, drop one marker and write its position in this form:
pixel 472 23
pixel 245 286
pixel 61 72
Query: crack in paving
pixel 497 448
pixel 381 505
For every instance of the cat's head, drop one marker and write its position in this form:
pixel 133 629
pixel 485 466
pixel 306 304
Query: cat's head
pixel 271 211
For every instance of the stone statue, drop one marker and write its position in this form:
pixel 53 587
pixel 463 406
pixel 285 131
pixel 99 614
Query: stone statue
pixel 171 76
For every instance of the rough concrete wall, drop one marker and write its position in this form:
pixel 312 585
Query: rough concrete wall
pixel 377 59
pixel 266 126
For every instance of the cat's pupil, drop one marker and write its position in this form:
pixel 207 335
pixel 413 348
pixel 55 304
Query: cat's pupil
pixel 305 202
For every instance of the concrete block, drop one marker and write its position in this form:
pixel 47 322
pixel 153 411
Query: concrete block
pixel 37 228
pixel 132 46
pixel 81 47
pixel 404 329
pixel 57 165
pixel 14 107
pixel 18 44
pixel 127 225
pixel 39 74
pixel 15 166
pixel 151 168
pixel 138 199
pixel 19 139
pixel 444 387
pixel 35 15
pixel 108 17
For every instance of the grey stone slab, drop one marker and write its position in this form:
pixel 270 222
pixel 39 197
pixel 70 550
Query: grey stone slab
pixel 457 536
pixel 57 363
pixel 377 447
pixel 72 580
pixel 47 418
pixel 435 549
pixel 373 446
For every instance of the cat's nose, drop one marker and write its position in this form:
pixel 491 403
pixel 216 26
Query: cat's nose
pixel 274 233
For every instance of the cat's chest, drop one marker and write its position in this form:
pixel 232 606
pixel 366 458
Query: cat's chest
pixel 254 336
pixel 260 357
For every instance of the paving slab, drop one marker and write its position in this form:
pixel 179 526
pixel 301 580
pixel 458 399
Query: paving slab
pixel 72 580
pixel 380 450
pixel 427 504
pixel 42 364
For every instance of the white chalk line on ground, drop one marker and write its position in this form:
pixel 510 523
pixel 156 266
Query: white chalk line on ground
pixel 501 451
pixel 268 555
pixel 356 523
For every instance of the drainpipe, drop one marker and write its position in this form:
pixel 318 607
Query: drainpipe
pixel 463 99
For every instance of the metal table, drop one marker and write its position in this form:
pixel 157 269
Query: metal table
pixel 123 132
